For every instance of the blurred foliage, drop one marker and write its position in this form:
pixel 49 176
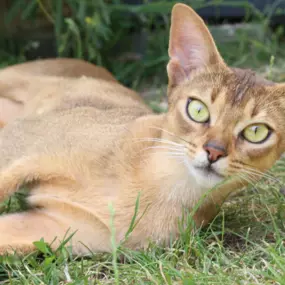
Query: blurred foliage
pixel 131 40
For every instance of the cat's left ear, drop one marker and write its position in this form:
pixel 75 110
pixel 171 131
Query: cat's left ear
pixel 191 46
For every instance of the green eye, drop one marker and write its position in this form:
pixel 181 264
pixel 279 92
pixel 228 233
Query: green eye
pixel 256 133
pixel 197 111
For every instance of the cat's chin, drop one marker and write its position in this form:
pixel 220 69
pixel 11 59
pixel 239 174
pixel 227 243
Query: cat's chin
pixel 205 177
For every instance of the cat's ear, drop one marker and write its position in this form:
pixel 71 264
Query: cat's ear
pixel 191 46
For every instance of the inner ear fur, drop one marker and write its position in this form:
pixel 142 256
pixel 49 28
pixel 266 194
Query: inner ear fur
pixel 191 46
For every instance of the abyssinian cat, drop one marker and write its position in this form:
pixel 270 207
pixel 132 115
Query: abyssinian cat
pixel 87 145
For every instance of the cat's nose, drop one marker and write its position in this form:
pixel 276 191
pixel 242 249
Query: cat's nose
pixel 215 151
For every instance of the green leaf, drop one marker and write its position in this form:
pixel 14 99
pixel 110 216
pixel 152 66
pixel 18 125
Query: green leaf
pixel 28 11
pixel 42 246
pixel 49 260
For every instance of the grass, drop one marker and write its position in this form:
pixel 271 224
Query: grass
pixel 243 245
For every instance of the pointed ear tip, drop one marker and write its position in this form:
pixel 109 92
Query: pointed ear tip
pixel 182 7
pixel 179 5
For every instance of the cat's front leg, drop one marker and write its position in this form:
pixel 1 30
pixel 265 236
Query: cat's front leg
pixel 19 231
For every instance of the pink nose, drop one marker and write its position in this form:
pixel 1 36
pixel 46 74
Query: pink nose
pixel 215 151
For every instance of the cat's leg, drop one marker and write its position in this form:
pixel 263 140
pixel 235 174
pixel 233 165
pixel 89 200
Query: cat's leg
pixel 55 172
pixel 19 231
pixel 53 215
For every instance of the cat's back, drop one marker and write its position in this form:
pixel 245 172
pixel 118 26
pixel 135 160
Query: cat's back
pixel 69 117
pixel 60 67
pixel 36 87
pixel 62 94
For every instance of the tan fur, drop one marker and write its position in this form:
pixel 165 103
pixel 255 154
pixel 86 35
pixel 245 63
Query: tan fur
pixel 13 97
pixel 85 145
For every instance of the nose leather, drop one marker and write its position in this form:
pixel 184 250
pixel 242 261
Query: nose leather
pixel 215 151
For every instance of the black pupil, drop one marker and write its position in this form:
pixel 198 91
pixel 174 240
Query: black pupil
pixel 255 129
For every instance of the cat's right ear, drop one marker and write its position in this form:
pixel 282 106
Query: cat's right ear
pixel 191 46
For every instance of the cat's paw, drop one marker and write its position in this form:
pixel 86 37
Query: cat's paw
pixel 19 249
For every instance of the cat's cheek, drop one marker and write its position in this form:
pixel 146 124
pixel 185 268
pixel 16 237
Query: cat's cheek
pixel 256 150
pixel 222 166
pixel 184 124
pixel 259 153
pixel 200 159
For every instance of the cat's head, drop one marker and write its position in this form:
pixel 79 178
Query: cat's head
pixel 229 120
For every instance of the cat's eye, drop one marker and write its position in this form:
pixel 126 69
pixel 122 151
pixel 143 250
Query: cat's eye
pixel 256 133
pixel 197 111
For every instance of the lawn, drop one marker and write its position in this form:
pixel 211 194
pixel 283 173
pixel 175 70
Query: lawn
pixel 243 245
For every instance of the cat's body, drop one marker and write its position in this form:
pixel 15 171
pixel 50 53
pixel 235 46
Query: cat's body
pixel 88 147
pixel 85 148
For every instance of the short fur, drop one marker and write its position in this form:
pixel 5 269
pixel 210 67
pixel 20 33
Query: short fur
pixel 84 143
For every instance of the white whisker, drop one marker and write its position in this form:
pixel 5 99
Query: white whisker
pixel 247 179
pixel 259 174
pixel 170 133
pixel 180 150
pixel 159 140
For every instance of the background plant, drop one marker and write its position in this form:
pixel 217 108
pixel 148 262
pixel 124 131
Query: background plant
pixel 131 39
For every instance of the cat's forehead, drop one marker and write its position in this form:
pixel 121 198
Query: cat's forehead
pixel 233 95
pixel 235 89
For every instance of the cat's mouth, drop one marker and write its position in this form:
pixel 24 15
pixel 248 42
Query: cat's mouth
pixel 208 170
pixel 205 174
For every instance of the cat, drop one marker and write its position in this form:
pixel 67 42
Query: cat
pixel 90 150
